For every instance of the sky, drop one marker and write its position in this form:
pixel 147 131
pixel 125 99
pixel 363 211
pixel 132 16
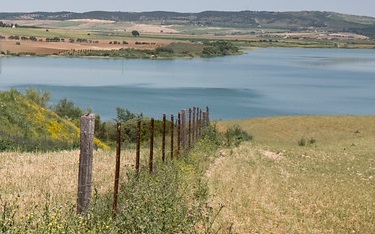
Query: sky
pixel 355 7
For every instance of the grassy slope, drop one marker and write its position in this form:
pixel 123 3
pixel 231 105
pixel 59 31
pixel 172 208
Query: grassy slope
pixel 27 126
pixel 274 185
pixel 268 185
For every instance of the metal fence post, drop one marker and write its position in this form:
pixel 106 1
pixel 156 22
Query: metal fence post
pixel 117 170
pixel 151 160
pixel 163 139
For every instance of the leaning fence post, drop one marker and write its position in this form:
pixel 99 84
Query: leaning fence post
pixel 117 170
pixel 151 160
pixel 85 162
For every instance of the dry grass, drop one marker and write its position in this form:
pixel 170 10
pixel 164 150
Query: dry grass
pixel 273 185
pixel 30 177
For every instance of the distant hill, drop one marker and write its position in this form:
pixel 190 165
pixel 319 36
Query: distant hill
pixel 26 126
pixel 292 21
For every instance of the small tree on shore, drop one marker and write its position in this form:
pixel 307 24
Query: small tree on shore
pixel 135 33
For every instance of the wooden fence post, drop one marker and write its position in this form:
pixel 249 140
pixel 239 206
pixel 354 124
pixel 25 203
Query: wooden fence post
pixel 163 139
pixel 85 162
pixel 117 171
pixel 138 148
pixel 151 160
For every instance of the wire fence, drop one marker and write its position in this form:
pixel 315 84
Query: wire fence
pixel 184 130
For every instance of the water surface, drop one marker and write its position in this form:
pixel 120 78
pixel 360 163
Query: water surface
pixel 263 82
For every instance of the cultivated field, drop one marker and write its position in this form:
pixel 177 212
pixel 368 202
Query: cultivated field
pixel 111 35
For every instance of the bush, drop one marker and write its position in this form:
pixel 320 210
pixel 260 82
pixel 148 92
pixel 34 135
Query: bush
pixel 304 142
pixel 37 96
pixel 164 50
pixel 235 135
pixel 67 109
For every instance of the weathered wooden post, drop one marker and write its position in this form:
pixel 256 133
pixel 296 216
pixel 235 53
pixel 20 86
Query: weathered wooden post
pixel 151 160
pixel 138 148
pixel 163 139
pixel 172 130
pixel 85 162
pixel 117 171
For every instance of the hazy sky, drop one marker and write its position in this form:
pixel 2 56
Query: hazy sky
pixel 357 7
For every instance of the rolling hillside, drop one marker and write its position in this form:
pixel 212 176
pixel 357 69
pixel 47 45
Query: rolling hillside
pixel 291 21
pixel 26 126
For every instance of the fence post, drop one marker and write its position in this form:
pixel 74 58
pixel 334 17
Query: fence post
pixel 200 123
pixel 151 160
pixel 87 127
pixel 163 139
pixel 172 130
pixel 138 148
pixel 193 127
pixel 117 171
pixel 183 129
pixel 178 134
pixel 208 116
pixel 189 129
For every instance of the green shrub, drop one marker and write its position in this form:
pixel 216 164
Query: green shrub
pixel 304 142
pixel 235 135
pixel 164 49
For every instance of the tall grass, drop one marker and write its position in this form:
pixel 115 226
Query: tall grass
pixel 273 185
pixel 38 194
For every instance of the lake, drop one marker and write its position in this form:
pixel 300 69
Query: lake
pixel 262 82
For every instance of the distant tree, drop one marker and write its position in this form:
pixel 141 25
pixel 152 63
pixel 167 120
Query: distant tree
pixel 135 33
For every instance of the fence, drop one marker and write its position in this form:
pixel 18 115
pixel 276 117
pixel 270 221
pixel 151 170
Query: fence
pixel 188 126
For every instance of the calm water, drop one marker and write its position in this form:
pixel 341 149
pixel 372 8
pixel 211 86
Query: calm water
pixel 264 82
